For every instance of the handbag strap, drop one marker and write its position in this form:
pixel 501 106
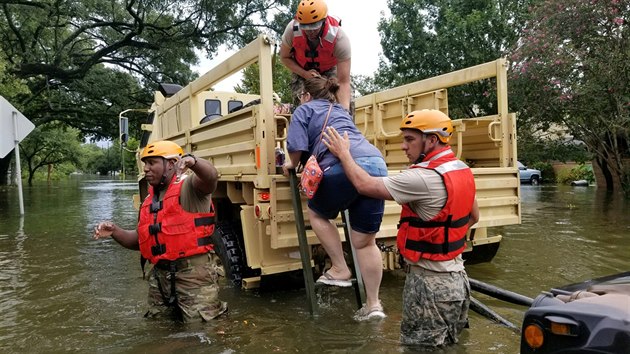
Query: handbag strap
pixel 321 134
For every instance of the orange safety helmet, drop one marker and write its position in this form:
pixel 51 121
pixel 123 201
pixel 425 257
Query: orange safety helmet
pixel 429 121
pixel 311 12
pixel 164 149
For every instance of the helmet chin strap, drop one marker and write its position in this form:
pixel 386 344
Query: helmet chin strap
pixel 422 155
pixel 164 179
pixel 420 158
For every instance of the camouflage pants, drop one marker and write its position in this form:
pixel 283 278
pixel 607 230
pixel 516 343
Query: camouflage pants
pixel 196 288
pixel 435 307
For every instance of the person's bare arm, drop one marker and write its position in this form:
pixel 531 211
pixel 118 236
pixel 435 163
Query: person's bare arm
pixel 126 238
pixel 474 214
pixel 205 175
pixel 343 75
pixel 291 162
pixel 362 181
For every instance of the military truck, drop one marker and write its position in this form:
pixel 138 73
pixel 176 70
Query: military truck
pixel 241 134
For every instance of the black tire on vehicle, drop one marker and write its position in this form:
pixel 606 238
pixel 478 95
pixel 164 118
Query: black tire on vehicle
pixel 228 248
pixel 535 181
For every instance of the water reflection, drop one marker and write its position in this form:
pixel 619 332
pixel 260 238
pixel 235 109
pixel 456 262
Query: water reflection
pixel 63 291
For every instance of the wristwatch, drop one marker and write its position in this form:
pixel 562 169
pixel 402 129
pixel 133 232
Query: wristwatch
pixel 194 158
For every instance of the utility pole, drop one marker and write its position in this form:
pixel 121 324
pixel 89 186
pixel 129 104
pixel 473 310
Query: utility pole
pixel 123 125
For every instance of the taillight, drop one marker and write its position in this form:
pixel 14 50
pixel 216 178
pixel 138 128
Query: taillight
pixel 264 196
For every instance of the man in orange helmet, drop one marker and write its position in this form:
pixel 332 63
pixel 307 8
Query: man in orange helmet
pixel 174 233
pixel 437 194
pixel 314 44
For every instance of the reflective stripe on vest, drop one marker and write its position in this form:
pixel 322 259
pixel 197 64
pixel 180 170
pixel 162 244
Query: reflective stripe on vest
pixel 320 58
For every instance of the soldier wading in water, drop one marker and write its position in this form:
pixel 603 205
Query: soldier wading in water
pixel 437 194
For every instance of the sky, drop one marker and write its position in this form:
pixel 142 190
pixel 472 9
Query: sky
pixel 359 21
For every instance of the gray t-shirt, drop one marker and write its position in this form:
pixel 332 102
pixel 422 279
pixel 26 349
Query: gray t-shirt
pixel 424 191
pixel 342 49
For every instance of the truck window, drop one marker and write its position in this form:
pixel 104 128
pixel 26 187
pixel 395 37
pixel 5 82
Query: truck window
pixel 213 107
pixel 234 105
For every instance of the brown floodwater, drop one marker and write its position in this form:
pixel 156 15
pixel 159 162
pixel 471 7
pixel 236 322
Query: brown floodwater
pixel 61 291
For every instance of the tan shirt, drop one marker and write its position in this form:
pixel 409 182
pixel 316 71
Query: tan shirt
pixel 425 193
pixel 189 199
pixel 342 49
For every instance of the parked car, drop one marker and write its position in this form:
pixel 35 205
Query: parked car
pixel 529 175
pixel 588 317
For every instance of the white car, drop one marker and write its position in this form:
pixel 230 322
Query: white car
pixel 528 175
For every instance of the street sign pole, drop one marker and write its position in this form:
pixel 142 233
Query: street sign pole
pixel 18 167
pixel 14 127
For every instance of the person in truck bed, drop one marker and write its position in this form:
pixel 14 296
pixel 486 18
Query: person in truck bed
pixel 174 233
pixel 437 194
pixel 314 44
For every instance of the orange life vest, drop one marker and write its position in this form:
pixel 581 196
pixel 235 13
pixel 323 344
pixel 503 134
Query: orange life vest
pixel 168 232
pixel 320 58
pixel 443 237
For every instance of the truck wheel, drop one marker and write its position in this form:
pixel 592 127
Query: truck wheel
pixel 228 248
pixel 535 181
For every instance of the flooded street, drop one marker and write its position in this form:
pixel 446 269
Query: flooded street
pixel 61 291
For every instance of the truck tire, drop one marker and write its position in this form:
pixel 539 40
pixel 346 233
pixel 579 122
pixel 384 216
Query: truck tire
pixel 228 248
pixel 535 181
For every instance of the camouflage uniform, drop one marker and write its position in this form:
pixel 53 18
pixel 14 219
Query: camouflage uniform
pixel 435 307
pixel 196 287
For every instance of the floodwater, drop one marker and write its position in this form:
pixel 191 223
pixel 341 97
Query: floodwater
pixel 61 291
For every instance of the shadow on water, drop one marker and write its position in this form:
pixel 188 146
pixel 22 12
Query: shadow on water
pixel 61 291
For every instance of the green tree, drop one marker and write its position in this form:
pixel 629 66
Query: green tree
pixel 49 145
pixel 88 156
pixel 129 156
pixel 425 38
pixel 571 69
pixel 10 86
pixel 52 45
pixel 281 81
pixel 364 85
pixel 64 39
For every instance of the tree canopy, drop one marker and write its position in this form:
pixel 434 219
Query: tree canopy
pixel 82 62
pixel 426 38
pixel 571 69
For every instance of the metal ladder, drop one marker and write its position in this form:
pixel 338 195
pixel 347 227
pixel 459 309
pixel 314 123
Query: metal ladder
pixel 305 255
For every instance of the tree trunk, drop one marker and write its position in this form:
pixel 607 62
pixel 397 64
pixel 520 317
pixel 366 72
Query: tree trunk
pixel 605 177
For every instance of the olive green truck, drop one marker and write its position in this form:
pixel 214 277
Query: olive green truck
pixel 241 135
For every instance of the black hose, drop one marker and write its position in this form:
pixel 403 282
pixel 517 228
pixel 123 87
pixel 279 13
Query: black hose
pixel 485 311
pixel 499 293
